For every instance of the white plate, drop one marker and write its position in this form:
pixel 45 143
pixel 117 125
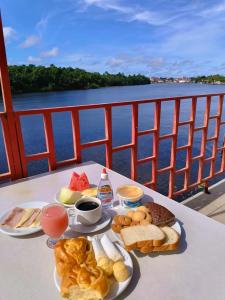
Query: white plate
pixel 58 201
pixel 176 226
pixel 118 287
pixel 102 223
pixel 21 231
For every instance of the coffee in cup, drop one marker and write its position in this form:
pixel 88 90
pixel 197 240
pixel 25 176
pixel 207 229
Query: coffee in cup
pixel 88 210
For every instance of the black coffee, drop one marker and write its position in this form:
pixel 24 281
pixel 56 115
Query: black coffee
pixel 89 205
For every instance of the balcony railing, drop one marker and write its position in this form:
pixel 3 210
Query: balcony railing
pixel 18 168
pixel 18 160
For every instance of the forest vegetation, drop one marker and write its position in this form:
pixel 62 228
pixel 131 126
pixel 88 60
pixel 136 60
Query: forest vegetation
pixel 31 78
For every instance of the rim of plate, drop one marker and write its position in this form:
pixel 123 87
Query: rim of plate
pixel 22 231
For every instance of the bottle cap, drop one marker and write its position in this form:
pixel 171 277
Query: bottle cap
pixel 104 174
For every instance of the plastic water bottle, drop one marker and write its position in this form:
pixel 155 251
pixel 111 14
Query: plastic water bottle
pixel 105 192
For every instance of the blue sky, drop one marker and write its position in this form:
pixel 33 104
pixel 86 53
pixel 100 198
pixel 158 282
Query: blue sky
pixel 155 38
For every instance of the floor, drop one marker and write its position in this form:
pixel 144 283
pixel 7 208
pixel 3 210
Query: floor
pixel 212 205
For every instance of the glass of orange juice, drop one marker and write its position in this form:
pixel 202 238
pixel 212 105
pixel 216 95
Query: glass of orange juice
pixel 54 221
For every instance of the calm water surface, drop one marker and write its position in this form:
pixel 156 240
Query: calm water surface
pixel 92 126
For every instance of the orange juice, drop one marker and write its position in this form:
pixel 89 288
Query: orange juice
pixel 54 220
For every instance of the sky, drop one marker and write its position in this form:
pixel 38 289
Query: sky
pixel 152 37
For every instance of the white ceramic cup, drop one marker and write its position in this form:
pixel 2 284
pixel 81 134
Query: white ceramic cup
pixel 87 217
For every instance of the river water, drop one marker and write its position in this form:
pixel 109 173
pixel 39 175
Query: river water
pixel 92 126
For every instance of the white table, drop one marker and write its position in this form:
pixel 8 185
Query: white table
pixel 195 272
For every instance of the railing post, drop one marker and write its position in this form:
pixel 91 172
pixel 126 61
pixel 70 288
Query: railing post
pixel 174 148
pixel 13 153
pixel 108 136
pixel 49 138
pixel 134 141
pixel 76 135
pixel 157 115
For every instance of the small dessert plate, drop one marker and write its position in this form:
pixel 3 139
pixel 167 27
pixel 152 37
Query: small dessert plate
pixel 102 223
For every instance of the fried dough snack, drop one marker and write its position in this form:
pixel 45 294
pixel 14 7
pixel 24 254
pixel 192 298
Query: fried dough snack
pixel 76 265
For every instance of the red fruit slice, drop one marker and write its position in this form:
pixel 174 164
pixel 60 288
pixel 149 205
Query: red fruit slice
pixel 83 182
pixel 74 182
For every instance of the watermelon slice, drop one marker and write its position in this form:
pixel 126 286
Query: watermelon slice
pixel 83 182
pixel 79 182
pixel 74 181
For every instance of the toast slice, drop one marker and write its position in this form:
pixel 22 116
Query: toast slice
pixel 142 236
pixel 171 241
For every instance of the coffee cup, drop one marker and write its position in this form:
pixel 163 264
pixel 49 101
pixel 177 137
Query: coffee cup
pixel 87 210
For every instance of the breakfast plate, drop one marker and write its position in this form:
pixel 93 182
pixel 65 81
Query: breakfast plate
pixel 123 211
pixel 102 223
pixel 21 231
pixel 117 287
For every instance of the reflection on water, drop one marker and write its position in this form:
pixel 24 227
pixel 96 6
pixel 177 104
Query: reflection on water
pixel 92 127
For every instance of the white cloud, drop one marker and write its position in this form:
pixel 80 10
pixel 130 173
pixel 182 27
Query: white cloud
pixel 131 13
pixel 30 41
pixel 50 53
pixel 33 59
pixel 9 33
pixel 115 62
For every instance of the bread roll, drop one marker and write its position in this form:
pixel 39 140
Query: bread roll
pixel 120 271
pixel 138 216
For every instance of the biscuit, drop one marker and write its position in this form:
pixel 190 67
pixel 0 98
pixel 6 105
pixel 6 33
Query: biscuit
pixel 138 216
pixel 116 228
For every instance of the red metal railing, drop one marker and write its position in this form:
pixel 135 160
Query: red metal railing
pixel 18 160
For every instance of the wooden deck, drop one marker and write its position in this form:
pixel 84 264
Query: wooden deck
pixel 211 205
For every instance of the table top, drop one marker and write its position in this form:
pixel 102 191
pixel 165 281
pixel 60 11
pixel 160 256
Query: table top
pixel 195 271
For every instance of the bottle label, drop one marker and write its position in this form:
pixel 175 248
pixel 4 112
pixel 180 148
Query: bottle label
pixel 105 194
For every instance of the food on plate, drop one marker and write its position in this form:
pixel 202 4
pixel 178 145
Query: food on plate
pixel 22 218
pixel 85 270
pixel 79 182
pixel 77 267
pixel 133 218
pixel 138 216
pixel 138 237
pixel 120 271
pixel 110 249
pixel 130 195
pixel 67 196
pixel 122 220
pixel 171 241
pixel 106 264
pixel 90 192
pixel 103 261
pixel 161 216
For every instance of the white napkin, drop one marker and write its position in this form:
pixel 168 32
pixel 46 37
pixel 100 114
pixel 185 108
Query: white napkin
pixel 110 249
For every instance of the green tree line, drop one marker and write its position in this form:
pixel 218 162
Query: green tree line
pixel 209 79
pixel 31 78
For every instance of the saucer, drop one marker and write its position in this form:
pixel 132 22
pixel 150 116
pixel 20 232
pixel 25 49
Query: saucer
pixel 102 223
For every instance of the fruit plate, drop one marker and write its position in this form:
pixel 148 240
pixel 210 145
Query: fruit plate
pixel 123 211
pixel 21 231
pixel 117 287
pixel 58 201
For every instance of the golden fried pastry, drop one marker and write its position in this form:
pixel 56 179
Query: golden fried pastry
pixel 120 271
pixel 148 217
pixel 138 216
pixel 130 214
pixel 143 208
pixel 122 220
pixel 116 228
pixel 144 222
pixel 134 223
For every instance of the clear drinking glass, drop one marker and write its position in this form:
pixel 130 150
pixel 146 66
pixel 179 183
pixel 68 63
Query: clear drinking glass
pixel 54 221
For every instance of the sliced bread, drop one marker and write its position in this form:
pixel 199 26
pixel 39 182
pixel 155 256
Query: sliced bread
pixel 171 241
pixel 142 236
